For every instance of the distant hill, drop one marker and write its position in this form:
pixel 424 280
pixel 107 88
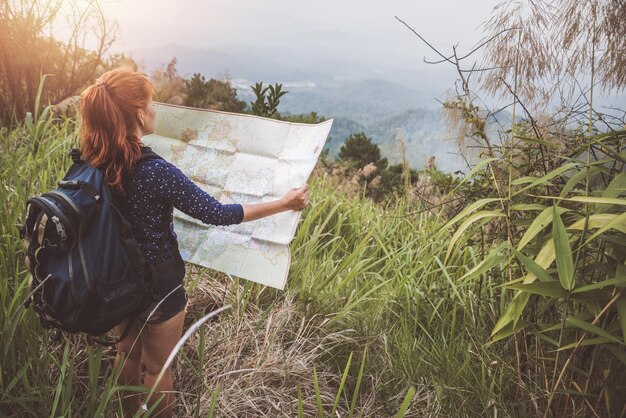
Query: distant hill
pixel 359 97
pixel 364 100
pixel 379 108
pixel 422 130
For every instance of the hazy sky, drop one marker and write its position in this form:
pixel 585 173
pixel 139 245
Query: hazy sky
pixel 367 30
pixel 197 23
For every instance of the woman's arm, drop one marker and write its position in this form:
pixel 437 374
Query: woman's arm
pixel 295 199
pixel 168 182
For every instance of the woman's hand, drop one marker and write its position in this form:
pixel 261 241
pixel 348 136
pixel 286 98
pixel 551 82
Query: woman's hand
pixel 296 199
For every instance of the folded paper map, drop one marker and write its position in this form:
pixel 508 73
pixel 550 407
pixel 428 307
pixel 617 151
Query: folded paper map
pixel 238 159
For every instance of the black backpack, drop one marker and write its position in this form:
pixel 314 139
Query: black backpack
pixel 88 271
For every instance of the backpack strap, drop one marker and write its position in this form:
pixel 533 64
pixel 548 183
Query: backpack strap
pixel 75 154
pixel 167 233
pixel 147 153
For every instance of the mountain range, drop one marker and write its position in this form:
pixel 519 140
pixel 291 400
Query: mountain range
pixel 381 101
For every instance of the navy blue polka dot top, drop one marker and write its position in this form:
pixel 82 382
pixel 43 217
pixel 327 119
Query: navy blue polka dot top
pixel 154 189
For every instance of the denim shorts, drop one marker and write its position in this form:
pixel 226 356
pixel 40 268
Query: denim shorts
pixel 170 296
pixel 169 307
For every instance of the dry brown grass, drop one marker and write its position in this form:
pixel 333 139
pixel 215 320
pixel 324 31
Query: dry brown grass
pixel 258 359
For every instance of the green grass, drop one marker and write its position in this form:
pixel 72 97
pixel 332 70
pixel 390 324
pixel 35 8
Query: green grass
pixel 374 322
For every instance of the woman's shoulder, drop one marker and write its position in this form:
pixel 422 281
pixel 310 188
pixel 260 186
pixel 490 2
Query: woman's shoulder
pixel 151 164
pixel 158 171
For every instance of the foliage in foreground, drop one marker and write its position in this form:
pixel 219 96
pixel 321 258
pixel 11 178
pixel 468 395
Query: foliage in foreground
pixel 560 239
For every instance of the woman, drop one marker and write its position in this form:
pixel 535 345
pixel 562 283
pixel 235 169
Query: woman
pixel 117 112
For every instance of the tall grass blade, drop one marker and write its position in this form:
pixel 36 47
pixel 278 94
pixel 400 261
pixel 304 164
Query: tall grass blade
pixel 300 404
pixel 318 396
pixel 213 405
pixel 359 378
pixel 60 384
pixel 341 386
pixel 406 402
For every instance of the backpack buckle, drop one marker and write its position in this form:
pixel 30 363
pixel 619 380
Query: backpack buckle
pixel 75 153
pixel 22 230
pixel 69 184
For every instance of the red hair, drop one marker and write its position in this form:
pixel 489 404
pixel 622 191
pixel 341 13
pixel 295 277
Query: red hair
pixel 110 116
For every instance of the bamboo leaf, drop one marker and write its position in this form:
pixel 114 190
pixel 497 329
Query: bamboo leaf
pixel 544 259
pixel 586 341
pixel 592 329
pixel 466 224
pixel 507 331
pixel 449 279
pixel 544 337
pixel 577 178
pixel 563 252
pixel 583 316
pixel 598 200
pixel 487 264
pixel 616 187
pixel 589 296
pixel 512 312
pixel 548 289
pixel 614 222
pixel 470 209
pixel 541 221
pixel 599 285
pixel 601 220
pixel 529 179
pixel 548 176
pixel 478 167
pixel 533 267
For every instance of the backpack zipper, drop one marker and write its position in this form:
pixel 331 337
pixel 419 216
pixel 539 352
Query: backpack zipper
pixel 81 251
pixel 59 227
pixel 55 210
